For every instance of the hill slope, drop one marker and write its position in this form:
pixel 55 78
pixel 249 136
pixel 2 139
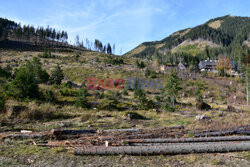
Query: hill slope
pixel 224 34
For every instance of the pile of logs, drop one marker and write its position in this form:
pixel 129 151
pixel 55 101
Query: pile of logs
pixel 170 140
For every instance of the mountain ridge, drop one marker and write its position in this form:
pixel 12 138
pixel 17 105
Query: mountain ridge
pixel 226 31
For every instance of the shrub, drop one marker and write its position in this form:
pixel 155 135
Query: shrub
pixel 198 94
pixel 144 102
pixel 204 73
pixel 99 95
pixel 139 64
pixel 2 103
pixel 113 99
pixel 110 105
pixel 125 92
pixel 150 74
pixel 167 106
pixel 24 84
pixel 41 75
pixel 81 100
pixel 5 72
pixel 49 96
pixel 66 85
pixel 47 54
pixel 67 92
pixel 114 60
pixel 43 115
pixel 44 112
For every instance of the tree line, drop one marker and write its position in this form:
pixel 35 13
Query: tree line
pixel 28 32
pixel 97 45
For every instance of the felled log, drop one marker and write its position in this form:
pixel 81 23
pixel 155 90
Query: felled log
pixel 57 132
pixel 118 130
pixel 64 143
pixel 189 140
pixel 170 149
pixel 24 136
pixel 237 131
pixel 85 131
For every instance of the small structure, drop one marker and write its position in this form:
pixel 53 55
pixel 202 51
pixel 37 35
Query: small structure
pixel 181 67
pixel 208 65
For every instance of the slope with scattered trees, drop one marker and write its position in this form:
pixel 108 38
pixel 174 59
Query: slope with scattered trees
pixel 228 35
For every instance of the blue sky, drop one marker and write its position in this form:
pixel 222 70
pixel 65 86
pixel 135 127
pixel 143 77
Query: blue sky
pixel 127 23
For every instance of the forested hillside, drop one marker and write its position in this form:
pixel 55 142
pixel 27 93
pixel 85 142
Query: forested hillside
pixel 227 35
pixel 12 30
pixel 28 37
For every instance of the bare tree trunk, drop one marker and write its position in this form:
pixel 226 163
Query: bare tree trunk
pixel 188 140
pixel 70 132
pixel 241 130
pixel 168 149
pixel 24 136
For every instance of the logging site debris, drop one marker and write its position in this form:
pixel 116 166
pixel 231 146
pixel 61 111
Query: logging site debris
pixel 169 141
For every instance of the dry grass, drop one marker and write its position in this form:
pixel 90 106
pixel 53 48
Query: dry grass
pixel 216 24
pixel 159 45
pixel 137 50
pixel 185 32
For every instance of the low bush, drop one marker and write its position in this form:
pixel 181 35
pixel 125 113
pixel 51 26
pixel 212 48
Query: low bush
pixel 67 92
pixel 45 112
pixel 81 100
pixel 2 104
pixel 47 55
pixel 49 96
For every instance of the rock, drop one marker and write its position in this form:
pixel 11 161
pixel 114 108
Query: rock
pixel 134 115
pixel 201 117
pixel 30 161
pixel 211 100
pixel 203 106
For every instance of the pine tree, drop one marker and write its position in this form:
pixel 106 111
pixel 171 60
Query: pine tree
pixel 54 34
pixel 81 100
pixel 24 84
pixel 109 49
pixel 57 75
pixel 173 86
